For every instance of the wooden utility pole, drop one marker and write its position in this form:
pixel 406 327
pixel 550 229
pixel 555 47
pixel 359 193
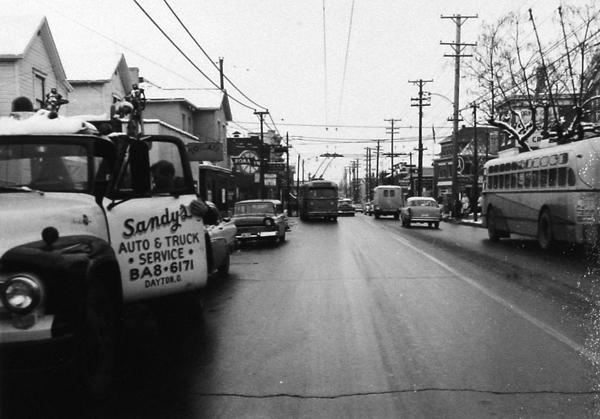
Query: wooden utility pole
pixel 420 101
pixel 458 48
pixel 392 131
pixel 261 154
pixel 475 187
pixel 377 164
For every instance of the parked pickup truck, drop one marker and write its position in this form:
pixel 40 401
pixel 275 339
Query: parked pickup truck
pixel 84 232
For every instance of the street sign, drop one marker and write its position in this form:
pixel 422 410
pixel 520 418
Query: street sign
pixel 275 167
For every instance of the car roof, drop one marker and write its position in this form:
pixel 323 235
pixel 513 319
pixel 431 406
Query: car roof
pixel 254 201
pixel 428 198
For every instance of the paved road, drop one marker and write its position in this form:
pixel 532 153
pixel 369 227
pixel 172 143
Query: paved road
pixel 365 319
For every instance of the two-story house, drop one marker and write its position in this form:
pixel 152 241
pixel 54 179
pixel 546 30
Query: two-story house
pixel 30 65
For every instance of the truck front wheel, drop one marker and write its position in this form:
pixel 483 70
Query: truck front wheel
pixel 95 346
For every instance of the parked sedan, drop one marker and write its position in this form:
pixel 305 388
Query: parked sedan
pixel 222 242
pixel 421 210
pixel 345 207
pixel 259 219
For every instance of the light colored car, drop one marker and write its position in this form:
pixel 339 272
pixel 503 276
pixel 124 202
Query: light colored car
pixel 358 207
pixel 259 219
pixel 421 210
pixel 345 207
pixel 222 242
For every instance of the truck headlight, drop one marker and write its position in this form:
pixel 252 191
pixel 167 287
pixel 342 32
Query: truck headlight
pixel 21 294
pixel 269 222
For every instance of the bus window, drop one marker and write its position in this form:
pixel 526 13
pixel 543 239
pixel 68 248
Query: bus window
pixel 513 181
pixel 536 162
pixel 385 193
pixel 571 177
pixel 552 177
pixel 563 158
pixel 543 178
pixel 501 182
pixel 535 178
pixel 562 176
pixel 544 161
pixel 528 178
pixel 521 180
pixel 553 160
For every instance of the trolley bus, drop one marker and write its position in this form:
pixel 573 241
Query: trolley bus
pixel 215 185
pixel 318 198
pixel 552 194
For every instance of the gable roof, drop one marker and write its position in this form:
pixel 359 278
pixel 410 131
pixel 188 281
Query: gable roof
pixel 200 99
pixel 79 70
pixel 18 34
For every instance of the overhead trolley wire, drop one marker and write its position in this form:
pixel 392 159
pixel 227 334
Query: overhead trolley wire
pixel 346 61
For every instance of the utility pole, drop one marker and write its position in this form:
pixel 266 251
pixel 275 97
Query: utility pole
pixel 475 188
pixel 287 175
pixel 261 154
pixel 420 101
pixel 392 131
pixel 458 48
pixel 367 174
pixel 221 75
pixel 377 163
pixel 298 187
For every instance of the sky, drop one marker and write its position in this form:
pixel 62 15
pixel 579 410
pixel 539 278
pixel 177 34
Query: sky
pixel 331 73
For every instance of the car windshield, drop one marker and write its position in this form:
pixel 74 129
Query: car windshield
pixel 422 203
pixel 44 166
pixel 255 208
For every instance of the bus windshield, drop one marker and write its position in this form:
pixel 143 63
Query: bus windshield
pixel 327 193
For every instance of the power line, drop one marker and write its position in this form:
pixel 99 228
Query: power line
pixel 185 55
pixel 206 54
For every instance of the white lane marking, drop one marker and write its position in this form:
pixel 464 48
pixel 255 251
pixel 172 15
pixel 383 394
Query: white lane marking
pixel 539 324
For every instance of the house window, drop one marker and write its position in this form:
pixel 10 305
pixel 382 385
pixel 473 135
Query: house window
pixel 39 90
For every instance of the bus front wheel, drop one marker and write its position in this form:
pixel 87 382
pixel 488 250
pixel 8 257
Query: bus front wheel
pixel 545 232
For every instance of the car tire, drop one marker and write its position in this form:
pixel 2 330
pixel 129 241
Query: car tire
pixel 95 347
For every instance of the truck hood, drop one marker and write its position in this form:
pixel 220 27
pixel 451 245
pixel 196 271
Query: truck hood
pixel 23 216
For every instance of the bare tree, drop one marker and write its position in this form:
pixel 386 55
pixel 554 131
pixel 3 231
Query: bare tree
pixel 518 71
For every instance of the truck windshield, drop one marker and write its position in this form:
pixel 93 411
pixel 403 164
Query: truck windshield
pixel 44 166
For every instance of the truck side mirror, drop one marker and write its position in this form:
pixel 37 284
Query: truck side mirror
pixel 139 161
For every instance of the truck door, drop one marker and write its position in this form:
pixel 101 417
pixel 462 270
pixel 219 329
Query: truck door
pixel 159 243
